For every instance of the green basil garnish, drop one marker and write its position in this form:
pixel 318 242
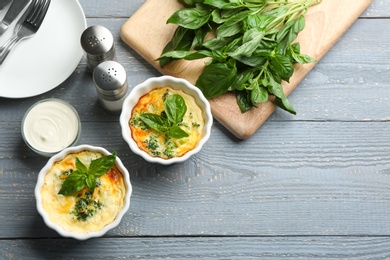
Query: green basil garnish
pixel 174 110
pixel 86 177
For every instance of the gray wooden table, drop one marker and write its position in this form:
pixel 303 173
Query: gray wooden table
pixel 311 186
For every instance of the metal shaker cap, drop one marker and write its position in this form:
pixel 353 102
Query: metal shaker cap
pixel 97 42
pixel 110 80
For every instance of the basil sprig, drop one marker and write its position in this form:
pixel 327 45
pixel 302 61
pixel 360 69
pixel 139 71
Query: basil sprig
pixel 168 122
pixel 252 51
pixel 86 177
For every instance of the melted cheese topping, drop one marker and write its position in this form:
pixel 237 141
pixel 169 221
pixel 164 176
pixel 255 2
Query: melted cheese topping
pixel 110 194
pixel 156 143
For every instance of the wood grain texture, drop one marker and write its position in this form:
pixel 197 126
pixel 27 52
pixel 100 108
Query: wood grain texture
pixel 329 179
pixel 313 168
pixel 212 248
pixel 146 32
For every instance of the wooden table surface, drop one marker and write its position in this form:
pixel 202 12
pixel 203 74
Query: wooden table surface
pixel 311 186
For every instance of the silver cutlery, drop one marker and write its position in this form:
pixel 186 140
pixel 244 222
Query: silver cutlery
pixel 4 3
pixel 17 7
pixel 33 20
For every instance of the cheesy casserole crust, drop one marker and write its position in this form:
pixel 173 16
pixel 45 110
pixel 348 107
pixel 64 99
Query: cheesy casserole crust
pixel 156 143
pixel 83 212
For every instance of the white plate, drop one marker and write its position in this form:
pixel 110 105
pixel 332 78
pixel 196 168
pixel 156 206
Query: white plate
pixel 43 62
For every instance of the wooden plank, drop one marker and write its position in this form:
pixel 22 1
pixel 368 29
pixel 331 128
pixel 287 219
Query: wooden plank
pixel 354 154
pixel 146 32
pixel 329 178
pixel 200 248
pixel 332 155
pixel 105 9
pixel 378 8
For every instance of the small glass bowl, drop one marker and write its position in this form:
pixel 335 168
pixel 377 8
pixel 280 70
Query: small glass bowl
pixel 50 125
pixel 159 82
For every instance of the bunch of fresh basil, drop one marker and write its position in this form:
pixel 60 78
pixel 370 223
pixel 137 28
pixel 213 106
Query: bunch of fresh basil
pixel 251 50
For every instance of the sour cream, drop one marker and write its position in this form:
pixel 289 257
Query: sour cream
pixel 50 126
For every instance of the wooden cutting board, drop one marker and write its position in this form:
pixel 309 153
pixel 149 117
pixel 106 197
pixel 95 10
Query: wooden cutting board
pixel 147 33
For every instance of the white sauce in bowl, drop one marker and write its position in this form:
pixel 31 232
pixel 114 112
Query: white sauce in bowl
pixel 50 126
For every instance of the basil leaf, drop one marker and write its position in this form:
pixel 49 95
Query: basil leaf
pixel 81 168
pixel 75 182
pixel 200 35
pixel 228 13
pixel 241 79
pixel 258 21
pixel 86 177
pixel 176 132
pixel 232 45
pixel 227 31
pixel 220 4
pixel 289 32
pixel 258 93
pixel 199 55
pixel 274 87
pixel 100 166
pixel 295 50
pixel 175 108
pixel 91 182
pixel 216 16
pixel 280 98
pixel 192 2
pixel 243 101
pixel 181 40
pixel 218 43
pixel 190 18
pixel 175 54
pixel 217 56
pixel 251 41
pixel 253 61
pixel 237 17
pixel 154 121
pixel 187 55
pixel 303 58
pixel 285 104
pixel 215 79
pixel 282 66
pixel 258 58
pixel 232 25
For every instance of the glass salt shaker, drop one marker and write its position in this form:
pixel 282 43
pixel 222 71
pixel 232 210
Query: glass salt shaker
pixel 98 45
pixel 111 84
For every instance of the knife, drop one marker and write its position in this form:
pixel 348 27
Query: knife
pixel 16 8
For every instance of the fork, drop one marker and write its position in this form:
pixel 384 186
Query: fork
pixel 28 28
pixel 4 3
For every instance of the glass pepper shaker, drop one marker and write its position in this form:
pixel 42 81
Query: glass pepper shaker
pixel 98 45
pixel 111 85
